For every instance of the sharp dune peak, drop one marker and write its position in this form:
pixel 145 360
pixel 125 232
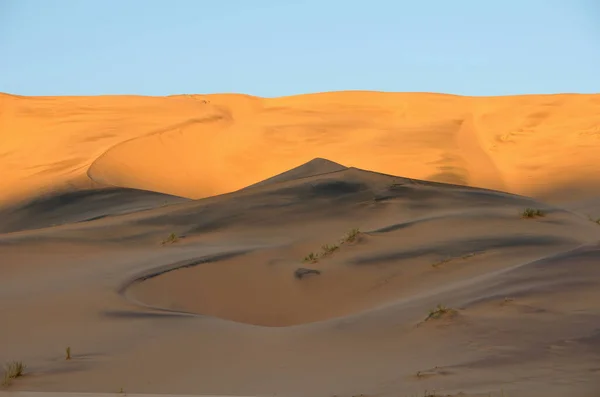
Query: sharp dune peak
pixel 314 167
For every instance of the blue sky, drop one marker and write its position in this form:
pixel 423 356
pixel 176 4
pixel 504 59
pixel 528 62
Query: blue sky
pixel 285 47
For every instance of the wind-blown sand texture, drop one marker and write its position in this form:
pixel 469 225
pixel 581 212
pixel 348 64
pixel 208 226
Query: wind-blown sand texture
pixel 163 239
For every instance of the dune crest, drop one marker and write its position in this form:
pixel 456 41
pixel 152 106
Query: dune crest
pixel 201 145
pixel 354 270
pixel 317 166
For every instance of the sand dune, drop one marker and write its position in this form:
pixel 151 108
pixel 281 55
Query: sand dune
pixel 80 206
pixel 200 145
pixel 401 252
pixel 221 306
pixel 168 241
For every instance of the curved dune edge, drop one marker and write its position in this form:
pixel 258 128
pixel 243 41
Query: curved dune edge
pixel 201 145
pixel 296 302
pixel 424 244
pixel 452 235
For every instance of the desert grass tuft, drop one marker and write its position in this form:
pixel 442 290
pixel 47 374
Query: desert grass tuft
pixel 12 371
pixel 329 248
pixel 311 258
pixel 532 213
pixel 351 236
pixel 438 312
pixel 173 238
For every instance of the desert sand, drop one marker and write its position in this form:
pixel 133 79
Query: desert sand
pixel 333 244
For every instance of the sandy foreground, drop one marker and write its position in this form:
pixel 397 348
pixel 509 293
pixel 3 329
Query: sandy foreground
pixel 336 244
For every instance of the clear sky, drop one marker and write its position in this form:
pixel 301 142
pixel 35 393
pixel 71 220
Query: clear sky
pixel 285 47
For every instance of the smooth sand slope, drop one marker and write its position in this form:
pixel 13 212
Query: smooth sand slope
pixel 221 311
pixel 197 146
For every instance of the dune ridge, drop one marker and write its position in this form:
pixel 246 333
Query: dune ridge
pixel 197 146
pixel 223 301
pixel 443 287
pixel 332 244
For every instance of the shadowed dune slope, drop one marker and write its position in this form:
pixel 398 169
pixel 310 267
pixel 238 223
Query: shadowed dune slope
pixel 314 167
pixel 414 234
pixel 200 145
pixel 79 206
pixel 233 298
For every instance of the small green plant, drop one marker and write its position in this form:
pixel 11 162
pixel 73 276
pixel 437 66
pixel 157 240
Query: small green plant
pixel 12 371
pixel 437 312
pixel 531 213
pixel 329 249
pixel 173 238
pixel 351 235
pixel 68 353
pixel 311 258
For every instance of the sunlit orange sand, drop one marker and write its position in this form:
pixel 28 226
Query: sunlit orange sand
pixel 201 145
